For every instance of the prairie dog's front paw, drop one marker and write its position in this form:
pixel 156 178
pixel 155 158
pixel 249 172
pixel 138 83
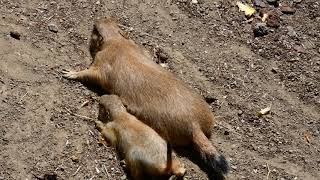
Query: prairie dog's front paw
pixel 69 74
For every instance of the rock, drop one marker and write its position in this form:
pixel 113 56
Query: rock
pixel 110 157
pixel 53 27
pixel 291 32
pixel 75 158
pixel 273 19
pixel 240 113
pixel 124 177
pixel 273 2
pixel 274 70
pixel 287 9
pixel 210 98
pixel 259 3
pixel 297 1
pixel 299 49
pixel 15 35
pixel 260 29
pixel 194 1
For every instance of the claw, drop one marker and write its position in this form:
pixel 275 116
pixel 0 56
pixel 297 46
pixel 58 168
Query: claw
pixel 69 74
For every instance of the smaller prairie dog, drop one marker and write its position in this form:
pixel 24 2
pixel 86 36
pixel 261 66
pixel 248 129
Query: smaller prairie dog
pixel 145 153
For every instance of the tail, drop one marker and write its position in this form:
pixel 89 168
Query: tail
pixel 216 163
pixel 169 158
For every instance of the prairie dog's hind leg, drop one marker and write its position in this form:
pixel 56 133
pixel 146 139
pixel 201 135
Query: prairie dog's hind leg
pixel 90 75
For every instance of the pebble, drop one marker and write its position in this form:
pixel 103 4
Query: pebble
pixel 260 29
pixel 287 9
pixel 299 49
pixel 194 1
pixel 110 157
pixel 53 27
pixel 75 159
pixel 291 32
pixel 124 177
pixel 15 35
pixel 273 20
pixel 297 1
pixel 274 2
pixel 259 3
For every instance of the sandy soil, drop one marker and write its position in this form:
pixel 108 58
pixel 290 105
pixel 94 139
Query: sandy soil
pixel 209 45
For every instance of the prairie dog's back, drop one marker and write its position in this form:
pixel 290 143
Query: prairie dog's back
pixel 132 133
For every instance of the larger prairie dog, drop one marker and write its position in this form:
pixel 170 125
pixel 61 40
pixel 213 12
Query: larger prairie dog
pixel 145 153
pixel 151 93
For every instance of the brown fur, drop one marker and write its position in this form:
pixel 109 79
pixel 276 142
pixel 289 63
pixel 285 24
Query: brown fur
pixel 145 153
pixel 152 94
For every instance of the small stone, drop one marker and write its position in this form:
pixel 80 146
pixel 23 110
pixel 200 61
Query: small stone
pixel 110 157
pixel 274 70
pixel 15 35
pixel 124 177
pixel 240 113
pixel 299 49
pixel 273 2
pixel 291 32
pixel 273 19
pixel 53 27
pixel 234 167
pixel 259 3
pixel 287 9
pixel 260 29
pixel 75 158
pixel 194 1
pixel 297 1
pixel 210 98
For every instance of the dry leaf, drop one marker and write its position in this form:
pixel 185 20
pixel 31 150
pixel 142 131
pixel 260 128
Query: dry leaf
pixel 248 10
pixel 307 136
pixel 264 17
pixel 264 111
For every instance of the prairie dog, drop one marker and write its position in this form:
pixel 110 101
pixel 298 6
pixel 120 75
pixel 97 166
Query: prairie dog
pixel 145 153
pixel 150 93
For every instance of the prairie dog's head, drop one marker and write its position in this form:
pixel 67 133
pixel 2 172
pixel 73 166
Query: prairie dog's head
pixel 110 105
pixel 103 30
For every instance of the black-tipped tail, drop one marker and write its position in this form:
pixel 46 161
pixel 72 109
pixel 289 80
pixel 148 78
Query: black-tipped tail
pixel 216 164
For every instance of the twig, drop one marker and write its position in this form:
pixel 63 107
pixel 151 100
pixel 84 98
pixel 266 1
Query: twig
pixel 76 171
pixel 80 116
pixel 23 97
pixel 105 169
pixel 92 177
pixel 268 171
pixel 84 104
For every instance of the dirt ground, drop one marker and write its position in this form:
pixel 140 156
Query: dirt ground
pixel 208 44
